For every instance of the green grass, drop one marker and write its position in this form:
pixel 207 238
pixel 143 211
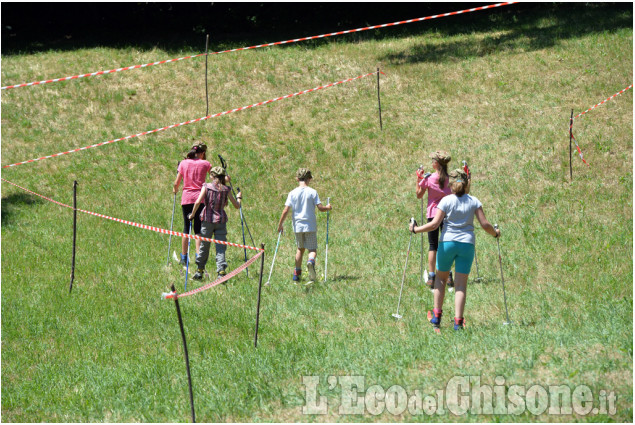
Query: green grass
pixel 497 93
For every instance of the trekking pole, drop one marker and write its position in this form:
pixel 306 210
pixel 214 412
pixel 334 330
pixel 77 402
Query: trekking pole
pixel 500 261
pixel 478 276
pixel 172 221
pixel 469 176
pixel 243 222
pixel 187 263
pixel 242 225
pixel 397 315
pixel 422 253
pixel 171 224
pixel 326 254
pixel 274 259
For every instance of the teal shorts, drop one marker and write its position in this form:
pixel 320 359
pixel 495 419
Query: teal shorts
pixel 459 253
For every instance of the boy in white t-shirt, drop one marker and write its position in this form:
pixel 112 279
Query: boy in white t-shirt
pixel 302 201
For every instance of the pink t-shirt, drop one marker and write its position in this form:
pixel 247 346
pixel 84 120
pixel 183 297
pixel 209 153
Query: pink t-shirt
pixel 193 172
pixel 435 193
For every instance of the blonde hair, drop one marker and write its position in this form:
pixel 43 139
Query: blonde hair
pixel 458 188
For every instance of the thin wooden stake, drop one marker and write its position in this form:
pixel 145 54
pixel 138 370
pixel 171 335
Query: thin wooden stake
pixel 570 137
pixel 206 91
pixel 187 359
pixel 381 127
pixel 70 289
pixel 262 265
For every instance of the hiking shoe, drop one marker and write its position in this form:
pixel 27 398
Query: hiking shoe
pixel 450 281
pixel 311 266
pixel 296 275
pixel 430 282
pixel 222 273
pixel 183 261
pixel 459 323
pixel 198 275
pixel 434 319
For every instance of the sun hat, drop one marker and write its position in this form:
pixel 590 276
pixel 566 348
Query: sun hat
pixel 441 156
pixel 217 171
pixel 304 174
pixel 458 176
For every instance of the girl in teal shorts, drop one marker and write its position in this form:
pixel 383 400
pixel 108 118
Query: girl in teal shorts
pixel 456 244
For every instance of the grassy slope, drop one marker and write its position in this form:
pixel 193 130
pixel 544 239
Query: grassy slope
pixel 499 98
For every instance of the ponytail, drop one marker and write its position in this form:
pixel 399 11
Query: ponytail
pixel 443 173
pixel 458 188
pixel 191 154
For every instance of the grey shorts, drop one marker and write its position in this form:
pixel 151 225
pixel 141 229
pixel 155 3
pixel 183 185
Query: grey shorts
pixel 306 240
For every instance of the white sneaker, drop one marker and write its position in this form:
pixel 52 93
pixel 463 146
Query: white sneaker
pixel 311 266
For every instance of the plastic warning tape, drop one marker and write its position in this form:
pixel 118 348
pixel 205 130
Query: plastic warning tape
pixel 590 109
pixel 92 74
pixel 142 226
pixel 409 21
pixel 170 295
pixel 604 101
pixel 295 40
pixel 191 121
pixel 36 194
pixel 579 150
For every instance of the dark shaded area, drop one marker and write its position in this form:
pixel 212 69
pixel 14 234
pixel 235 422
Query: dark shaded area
pixel 14 202
pixel 523 31
pixel 33 27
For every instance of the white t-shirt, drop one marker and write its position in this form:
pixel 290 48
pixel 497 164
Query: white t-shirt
pixel 303 200
pixel 458 224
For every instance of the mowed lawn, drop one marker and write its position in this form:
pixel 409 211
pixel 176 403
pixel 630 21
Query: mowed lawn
pixel 495 89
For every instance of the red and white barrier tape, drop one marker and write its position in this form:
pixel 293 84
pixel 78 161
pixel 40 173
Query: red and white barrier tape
pixel 91 74
pixel 192 121
pixel 142 226
pixel 36 194
pixel 579 150
pixel 218 281
pixel 491 6
pixel 590 109
pixel 604 101
pixel 409 21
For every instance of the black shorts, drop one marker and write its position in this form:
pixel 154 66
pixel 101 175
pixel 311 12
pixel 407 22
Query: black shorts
pixel 187 209
pixel 433 236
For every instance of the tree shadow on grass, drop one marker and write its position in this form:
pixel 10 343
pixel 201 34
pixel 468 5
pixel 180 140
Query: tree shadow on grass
pixel 36 27
pixel 525 30
pixel 14 202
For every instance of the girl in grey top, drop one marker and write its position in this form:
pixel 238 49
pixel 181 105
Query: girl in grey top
pixel 456 246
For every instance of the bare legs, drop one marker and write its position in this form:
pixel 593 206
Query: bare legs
pixel 300 253
pixel 432 261
pixel 184 245
pixel 460 287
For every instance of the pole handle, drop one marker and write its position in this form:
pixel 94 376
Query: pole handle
pixel 222 162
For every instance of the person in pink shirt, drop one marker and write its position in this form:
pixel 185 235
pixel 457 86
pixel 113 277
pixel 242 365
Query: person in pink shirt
pixel 437 185
pixel 193 171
